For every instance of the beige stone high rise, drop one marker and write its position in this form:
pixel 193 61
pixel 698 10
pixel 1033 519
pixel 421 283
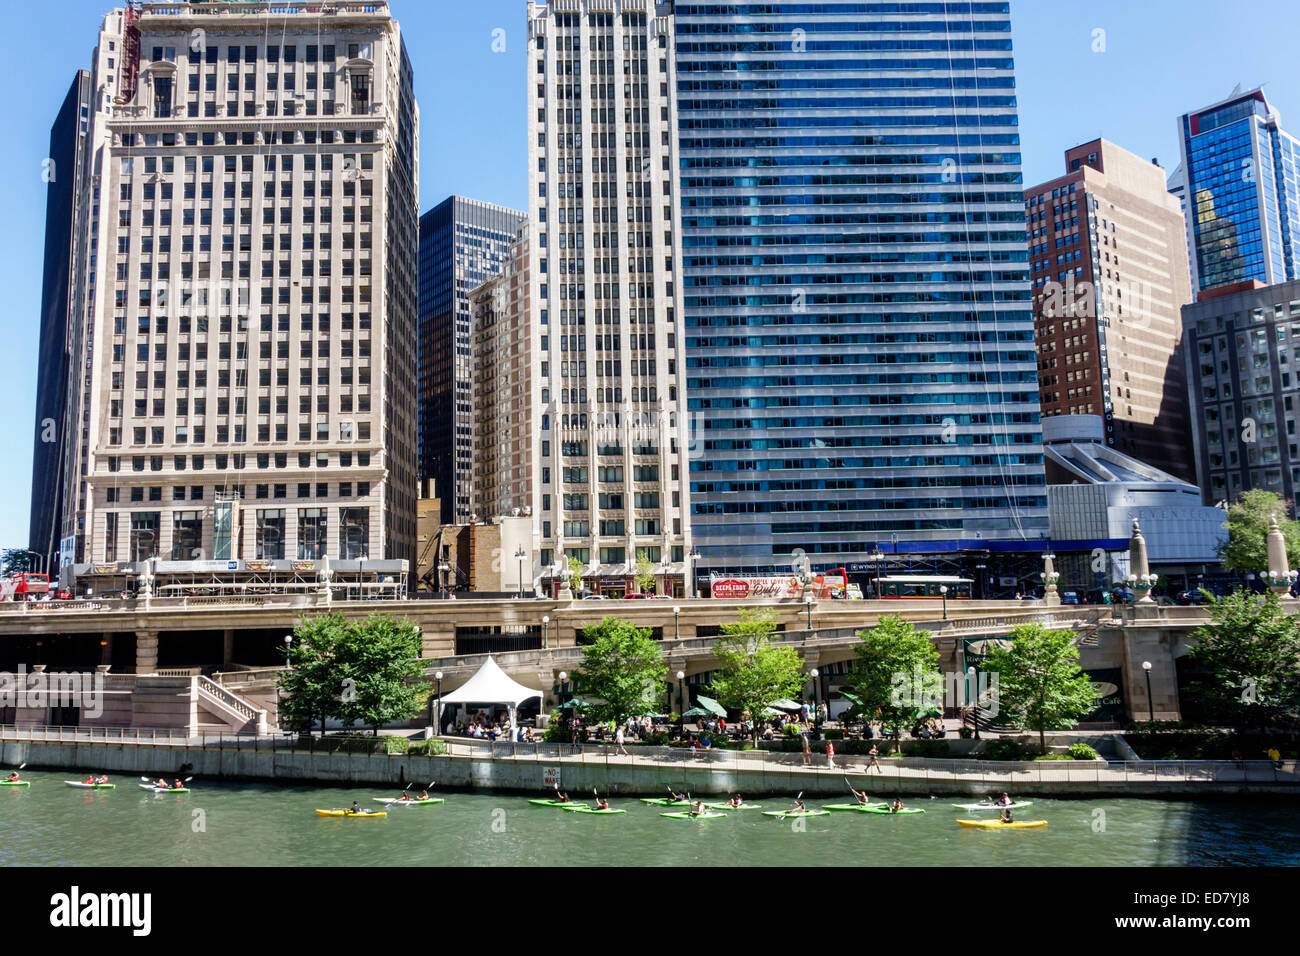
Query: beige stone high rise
pixel 609 469
pixel 250 317
pixel 1108 264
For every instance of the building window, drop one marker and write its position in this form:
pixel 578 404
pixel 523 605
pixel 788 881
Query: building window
pixel 144 535
pixel 354 533
pixel 312 528
pixel 270 534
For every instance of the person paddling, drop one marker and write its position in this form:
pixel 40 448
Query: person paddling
pixel 356 807
pixel 103 779
pixel 424 794
pixel 13 776
pixel 676 797
pixel 859 795
pixel 160 783
pixel 1005 800
pixel 562 797
pixel 177 785
pixel 602 803
pixel 405 797
pixel 697 808
pixel 896 806
pixel 799 805
pixel 90 781
pixel 1006 815
pixel 736 801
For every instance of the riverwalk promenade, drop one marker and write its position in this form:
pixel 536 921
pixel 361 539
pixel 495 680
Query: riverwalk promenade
pixel 531 768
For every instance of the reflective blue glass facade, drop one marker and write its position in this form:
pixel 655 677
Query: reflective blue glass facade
pixel 1242 196
pixel 859 337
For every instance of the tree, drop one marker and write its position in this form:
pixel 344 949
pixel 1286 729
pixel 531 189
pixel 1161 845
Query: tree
pixel 15 561
pixel 1040 684
pixel 753 673
pixel 895 674
pixel 645 574
pixel 1246 548
pixel 309 688
pixel 575 574
pixel 1245 661
pixel 379 661
pixel 623 666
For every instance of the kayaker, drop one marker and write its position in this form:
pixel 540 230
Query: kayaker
pixel 424 794
pixel 562 797
pixel 1006 816
pixel 798 805
pixel 602 803
pixel 1005 800
pixel 160 783
pixel 697 808
pixel 90 780
pixel 103 779
pixel 676 797
pixel 356 807
pixel 404 797
pixel 13 776
pixel 177 785
pixel 896 805
pixel 859 795
pixel 736 801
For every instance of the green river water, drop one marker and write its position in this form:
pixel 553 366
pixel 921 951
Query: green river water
pixel 225 824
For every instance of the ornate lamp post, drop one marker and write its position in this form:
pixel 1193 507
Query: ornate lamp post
pixel 1151 701
pixel 1050 577
pixel 1279 578
pixel 808 603
pixel 546 620
pixel 519 556
pixel 943 592
pixel 677 621
pixel 693 557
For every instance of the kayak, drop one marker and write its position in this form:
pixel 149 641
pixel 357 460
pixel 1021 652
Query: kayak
pixel 992 806
pixel 851 806
pixel 551 803
pixel 729 806
pixel 683 815
pixel 15 783
pixel 603 813
pixel 90 786
pixel 394 802
pixel 999 825
pixel 350 813
pixel 152 789
pixel 888 812
pixel 796 813
pixel 664 802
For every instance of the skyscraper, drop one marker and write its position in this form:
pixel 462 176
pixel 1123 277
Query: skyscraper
pixel 249 274
pixel 1108 265
pixel 860 344
pixel 58 434
pixel 1239 183
pixel 463 242
pixel 606 299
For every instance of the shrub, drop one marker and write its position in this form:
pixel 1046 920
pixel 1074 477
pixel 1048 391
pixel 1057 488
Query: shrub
pixel 965 733
pixel 833 734
pixel 1081 752
pixel 557 733
pixel 1004 748
pixel 395 745
pixel 656 738
pixel 790 730
pixel 427 748
pixel 929 748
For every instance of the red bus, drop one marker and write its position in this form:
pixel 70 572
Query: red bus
pixel 25 587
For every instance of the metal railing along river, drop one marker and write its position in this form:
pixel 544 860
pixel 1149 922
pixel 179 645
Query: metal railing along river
pixel 996 774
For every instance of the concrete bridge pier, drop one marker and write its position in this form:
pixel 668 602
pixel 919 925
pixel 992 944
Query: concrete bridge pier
pixel 1156 647
pixel 146 652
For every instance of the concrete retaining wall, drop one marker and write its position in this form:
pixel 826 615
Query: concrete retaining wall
pixel 908 776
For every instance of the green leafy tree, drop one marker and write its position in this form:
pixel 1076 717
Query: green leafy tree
pixel 624 667
pixel 645 574
pixel 1245 665
pixel 752 672
pixel 1246 548
pixel 309 688
pixel 575 574
pixel 379 663
pixel 15 561
pixel 1040 684
pixel 895 673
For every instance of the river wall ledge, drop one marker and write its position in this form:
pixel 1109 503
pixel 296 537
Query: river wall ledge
pixel 636 775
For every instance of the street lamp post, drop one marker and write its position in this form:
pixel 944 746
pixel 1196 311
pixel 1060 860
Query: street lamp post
pixel 519 556
pixel 693 557
pixel 288 641
pixel 681 709
pixel 546 619
pixel 559 694
pixel 815 674
pixel 677 624
pixel 808 603
pixel 975 708
pixel 1151 704
pixel 878 559
pixel 435 721
pixel 943 592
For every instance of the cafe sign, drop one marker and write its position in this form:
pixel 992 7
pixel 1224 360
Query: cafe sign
pixel 742 588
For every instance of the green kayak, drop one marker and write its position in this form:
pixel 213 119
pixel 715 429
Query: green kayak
pixel 891 813
pixel 604 813
pixel 395 802
pixel 683 815
pixel 851 806
pixel 796 813
pixel 664 802
pixel 730 806
pixel 15 783
pixel 551 803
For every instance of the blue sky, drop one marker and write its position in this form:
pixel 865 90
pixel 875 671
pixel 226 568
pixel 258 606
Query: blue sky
pixel 1160 58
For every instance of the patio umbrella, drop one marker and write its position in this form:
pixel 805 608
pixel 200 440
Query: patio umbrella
pixel 712 706
pixel 784 704
pixel 696 712
pixel 575 703
pixel 769 713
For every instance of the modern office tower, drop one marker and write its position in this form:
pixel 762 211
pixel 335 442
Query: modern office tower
pixel 861 370
pixel 1241 190
pixel 610 465
pixel 462 244
pixel 249 304
pixel 502 394
pixel 58 435
pixel 1108 266
pixel 1243 371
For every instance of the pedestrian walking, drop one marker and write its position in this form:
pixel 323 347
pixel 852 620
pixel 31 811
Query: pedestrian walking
pixel 830 755
pixel 807 751
pixel 873 753
pixel 618 739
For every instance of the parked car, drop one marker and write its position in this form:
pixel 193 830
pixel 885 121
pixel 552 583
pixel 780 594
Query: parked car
pixel 1071 597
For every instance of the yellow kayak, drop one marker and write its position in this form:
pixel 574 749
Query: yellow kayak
pixel 999 825
pixel 350 813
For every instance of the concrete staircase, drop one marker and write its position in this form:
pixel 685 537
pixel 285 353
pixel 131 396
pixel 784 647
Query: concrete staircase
pixel 223 711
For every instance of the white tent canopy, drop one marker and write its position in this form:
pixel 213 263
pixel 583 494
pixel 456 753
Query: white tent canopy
pixel 491 685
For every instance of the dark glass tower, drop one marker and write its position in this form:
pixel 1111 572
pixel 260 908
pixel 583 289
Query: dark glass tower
pixel 861 372
pixel 462 244
pixel 65 176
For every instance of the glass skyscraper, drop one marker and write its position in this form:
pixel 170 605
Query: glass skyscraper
pixel 1239 185
pixel 462 244
pixel 861 373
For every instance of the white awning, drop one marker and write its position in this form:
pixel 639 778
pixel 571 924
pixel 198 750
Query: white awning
pixel 491 685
